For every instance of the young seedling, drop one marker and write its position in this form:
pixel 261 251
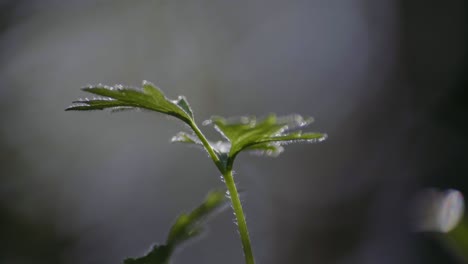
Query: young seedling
pixel 265 137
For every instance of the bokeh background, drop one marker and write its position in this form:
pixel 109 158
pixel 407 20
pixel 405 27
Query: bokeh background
pixel 386 79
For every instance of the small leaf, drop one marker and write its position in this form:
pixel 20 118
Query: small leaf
pixel 185 227
pixel 265 136
pixel 120 97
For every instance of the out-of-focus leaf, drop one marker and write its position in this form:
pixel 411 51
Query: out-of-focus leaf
pixel 186 226
pixel 121 97
pixel 158 255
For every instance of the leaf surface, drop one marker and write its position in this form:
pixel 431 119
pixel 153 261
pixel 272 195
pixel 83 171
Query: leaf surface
pixel 120 97
pixel 265 137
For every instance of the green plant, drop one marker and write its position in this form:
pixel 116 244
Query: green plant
pixel 266 137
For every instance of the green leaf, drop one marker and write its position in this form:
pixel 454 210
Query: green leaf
pixel 120 97
pixel 265 137
pixel 186 226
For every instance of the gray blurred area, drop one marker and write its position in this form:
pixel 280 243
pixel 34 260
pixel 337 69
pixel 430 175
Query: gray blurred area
pixel 385 79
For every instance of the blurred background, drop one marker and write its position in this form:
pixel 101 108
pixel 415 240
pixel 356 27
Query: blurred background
pixel 385 79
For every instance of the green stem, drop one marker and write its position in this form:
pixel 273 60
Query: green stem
pixel 242 224
pixel 233 193
pixel 207 146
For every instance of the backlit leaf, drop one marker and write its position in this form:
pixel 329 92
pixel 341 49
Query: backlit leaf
pixel 120 97
pixel 265 137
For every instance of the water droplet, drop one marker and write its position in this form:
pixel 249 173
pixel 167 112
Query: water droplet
pixel 145 82
pixel 316 140
pixel 222 179
pixel 207 122
pixel 247 120
pixel 123 108
pixel 222 146
pixel 78 105
pixel 323 138
pixel 176 138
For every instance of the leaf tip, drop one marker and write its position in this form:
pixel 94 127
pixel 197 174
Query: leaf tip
pixel 88 86
pixel 147 83
pixel 76 106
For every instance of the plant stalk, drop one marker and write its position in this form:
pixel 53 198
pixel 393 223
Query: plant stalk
pixel 233 193
pixel 238 211
pixel 207 146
